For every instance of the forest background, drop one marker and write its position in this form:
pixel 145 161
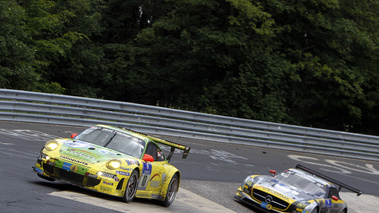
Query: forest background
pixel 304 62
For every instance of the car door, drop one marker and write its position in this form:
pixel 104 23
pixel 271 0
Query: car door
pixel 153 173
pixel 332 205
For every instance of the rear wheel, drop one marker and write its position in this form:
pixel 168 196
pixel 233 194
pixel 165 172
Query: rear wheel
pixel 131 187
pixel 171 191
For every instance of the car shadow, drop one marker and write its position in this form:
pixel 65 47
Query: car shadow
pixel 61 186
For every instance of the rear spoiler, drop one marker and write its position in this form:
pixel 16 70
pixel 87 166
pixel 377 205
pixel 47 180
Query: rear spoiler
pixel 340 184
pixel 173 145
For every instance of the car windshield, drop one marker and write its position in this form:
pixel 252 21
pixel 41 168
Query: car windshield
pixel 303 183
pixel 113 140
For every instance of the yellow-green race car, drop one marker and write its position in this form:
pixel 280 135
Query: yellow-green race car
pixel 297 190
pixel 114 161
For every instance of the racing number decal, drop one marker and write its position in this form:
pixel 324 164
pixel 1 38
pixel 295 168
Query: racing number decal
pixel 146 173
pixel 143 181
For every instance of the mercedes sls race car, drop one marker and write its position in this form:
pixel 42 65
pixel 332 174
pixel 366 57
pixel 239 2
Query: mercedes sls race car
pixel 297 190
pixel 113 161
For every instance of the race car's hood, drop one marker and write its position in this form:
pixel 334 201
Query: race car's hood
pixel 273 186
pixel 87 152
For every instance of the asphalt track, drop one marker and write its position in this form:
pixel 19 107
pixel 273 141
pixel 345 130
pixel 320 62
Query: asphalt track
pixel 210 176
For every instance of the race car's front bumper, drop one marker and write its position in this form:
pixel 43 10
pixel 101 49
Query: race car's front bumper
pixel 47 170
pixel 244 198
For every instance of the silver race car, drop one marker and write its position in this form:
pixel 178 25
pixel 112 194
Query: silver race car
pixel 297 190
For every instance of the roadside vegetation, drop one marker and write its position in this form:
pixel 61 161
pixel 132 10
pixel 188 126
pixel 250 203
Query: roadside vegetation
pixel 310 63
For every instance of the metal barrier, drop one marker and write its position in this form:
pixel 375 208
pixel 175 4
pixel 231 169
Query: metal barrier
pixel 23 106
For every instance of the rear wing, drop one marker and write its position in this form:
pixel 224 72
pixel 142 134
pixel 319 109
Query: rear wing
pixel 340 184
pixel 173 145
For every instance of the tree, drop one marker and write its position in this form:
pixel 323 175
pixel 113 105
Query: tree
pixel 17 57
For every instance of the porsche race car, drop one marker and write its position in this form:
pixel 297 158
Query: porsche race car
pixel 297 190
pixel 114 161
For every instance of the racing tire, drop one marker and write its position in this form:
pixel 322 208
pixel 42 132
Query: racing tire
pixel 315 210
pixel 131 187
pixel 172 189
pixel 344 211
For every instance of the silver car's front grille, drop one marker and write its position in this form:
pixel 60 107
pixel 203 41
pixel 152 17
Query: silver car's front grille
pixel 275 201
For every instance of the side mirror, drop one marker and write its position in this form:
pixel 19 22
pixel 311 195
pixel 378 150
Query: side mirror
pixel 74 135
pixel 273 172
pixel 148 158
pixel 335 198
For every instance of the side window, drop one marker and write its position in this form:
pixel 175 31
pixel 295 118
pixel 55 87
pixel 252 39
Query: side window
pixel 155 151
pixel 160 156
pixel 333 191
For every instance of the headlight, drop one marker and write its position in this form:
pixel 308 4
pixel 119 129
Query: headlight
pixel 250 180
pixel 51 145
pixel 113 164
pixel 302 204
pixel 305 206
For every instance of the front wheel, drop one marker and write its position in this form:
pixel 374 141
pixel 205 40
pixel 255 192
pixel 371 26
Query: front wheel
pixel 131 187
pixel 171 191
pixel 315 210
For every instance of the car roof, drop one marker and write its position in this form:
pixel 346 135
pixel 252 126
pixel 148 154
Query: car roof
pixel 126 131
pixel 312 177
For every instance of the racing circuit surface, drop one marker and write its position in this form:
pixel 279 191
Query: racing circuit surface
pixel 210 176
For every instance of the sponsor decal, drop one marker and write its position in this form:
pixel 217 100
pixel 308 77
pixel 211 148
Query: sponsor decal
pixel 73 160
pixel 104 152
pixel 158 197
pixel 105 189
pixel 266 206
pixel 146 172
pixel 107 183
pixel 159 154
pixel 81 154
pixel 123 173
pixel 104 174
pixel 163 177
pixel 126 169
pixel 142 194
pixel 154 184
pixel 73 168
pixel 67 166
pixel 328 203
pixel 277 194
pixel 132 162
pixel 77 144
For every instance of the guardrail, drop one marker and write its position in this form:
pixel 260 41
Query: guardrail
pixel 23 106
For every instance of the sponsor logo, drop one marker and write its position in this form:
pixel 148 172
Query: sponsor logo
pixel 66 166
pixel 123 173
pixel 154 184
pixel 81 154
pixel 105 189
pixel 127 169
pixel 277 194
pixel 266 206
pixel 107 183
pixel 268 199
pixel 74 160
pixel 132 162
pixel 328 203
pixel 73 168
